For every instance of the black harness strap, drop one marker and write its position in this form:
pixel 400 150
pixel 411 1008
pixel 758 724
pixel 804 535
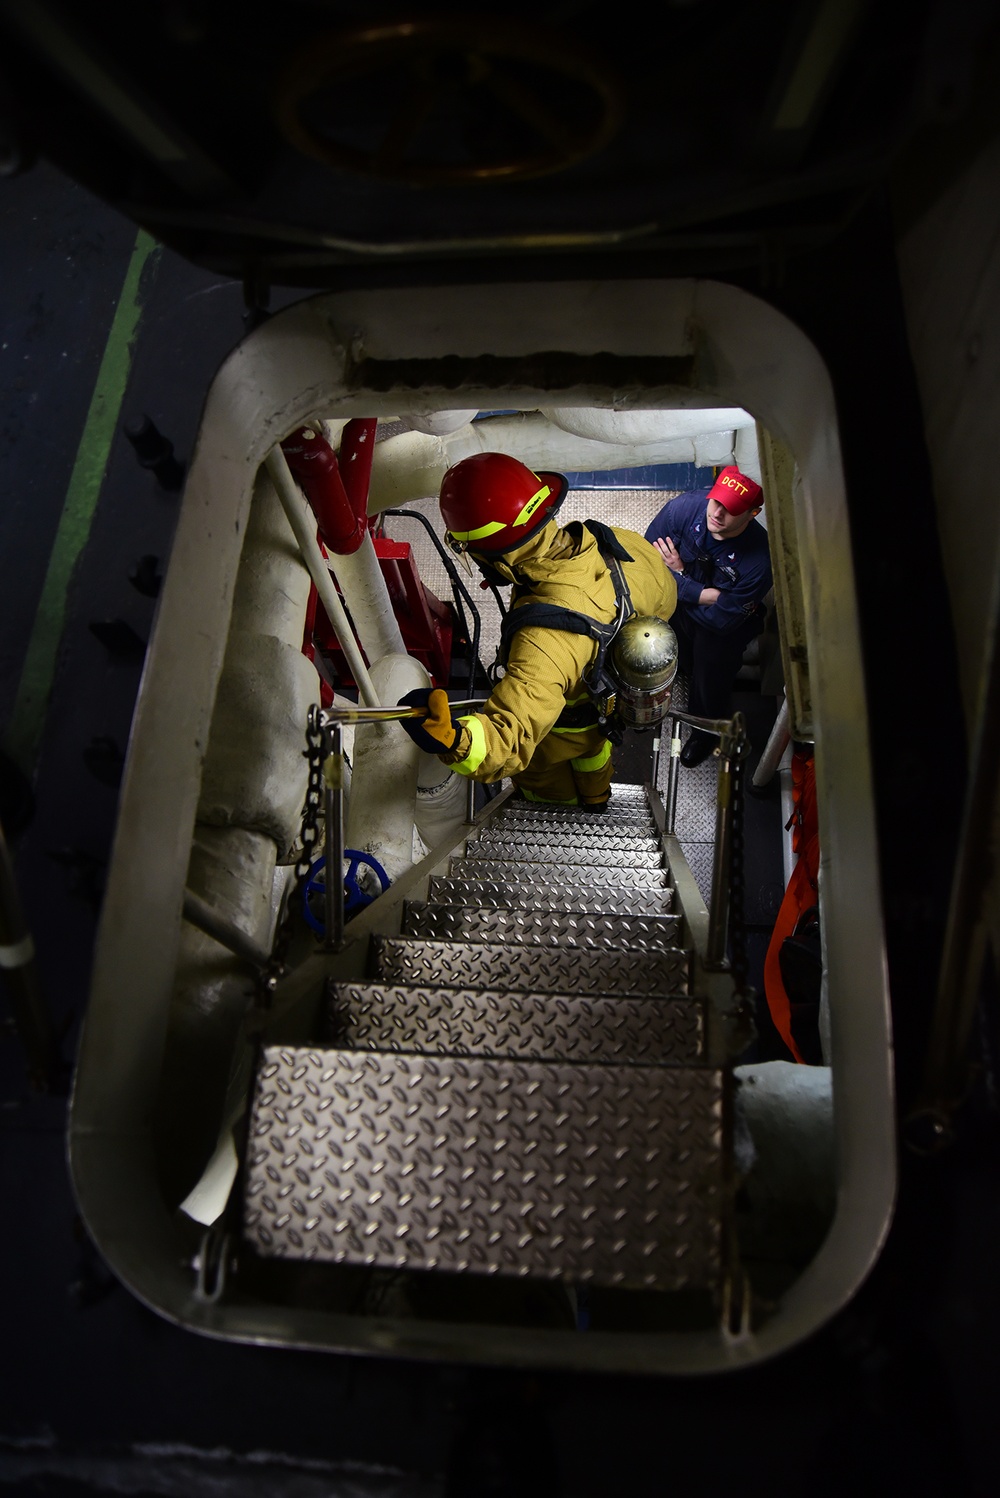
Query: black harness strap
pixel 598 683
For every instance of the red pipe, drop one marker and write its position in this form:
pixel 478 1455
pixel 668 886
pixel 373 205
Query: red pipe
pixel 314 467
pixel 357 448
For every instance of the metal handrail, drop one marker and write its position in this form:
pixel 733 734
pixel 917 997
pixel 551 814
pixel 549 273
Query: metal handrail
pixel 732 736
pixel 330 722
pixel 457 588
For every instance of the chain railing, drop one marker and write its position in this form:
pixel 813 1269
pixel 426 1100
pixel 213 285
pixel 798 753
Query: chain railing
pixel 329 723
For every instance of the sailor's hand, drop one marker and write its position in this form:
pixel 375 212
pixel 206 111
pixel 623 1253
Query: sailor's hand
pixel 669 553
pixel 435 732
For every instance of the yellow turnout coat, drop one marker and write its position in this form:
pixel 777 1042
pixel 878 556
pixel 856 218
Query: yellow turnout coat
pixel 538 726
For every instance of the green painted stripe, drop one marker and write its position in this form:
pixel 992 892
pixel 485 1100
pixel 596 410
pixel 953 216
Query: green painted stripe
pixel 24 732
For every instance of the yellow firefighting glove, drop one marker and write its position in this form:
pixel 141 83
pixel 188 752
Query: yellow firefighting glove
pixel 436 733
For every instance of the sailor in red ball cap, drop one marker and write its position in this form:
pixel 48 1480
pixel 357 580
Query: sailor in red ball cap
pixel 712 543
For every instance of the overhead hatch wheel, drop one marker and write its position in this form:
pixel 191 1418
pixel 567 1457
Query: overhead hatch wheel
pixel 447 101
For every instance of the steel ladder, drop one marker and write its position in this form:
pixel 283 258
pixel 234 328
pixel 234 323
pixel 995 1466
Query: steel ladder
pixel 522 1087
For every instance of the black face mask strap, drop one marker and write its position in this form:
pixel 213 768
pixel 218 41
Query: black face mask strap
pixel 490 574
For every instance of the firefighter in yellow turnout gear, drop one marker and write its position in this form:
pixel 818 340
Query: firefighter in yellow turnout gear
pixel 540 725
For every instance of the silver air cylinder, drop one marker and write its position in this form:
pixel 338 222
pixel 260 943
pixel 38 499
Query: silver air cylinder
pixel 644 661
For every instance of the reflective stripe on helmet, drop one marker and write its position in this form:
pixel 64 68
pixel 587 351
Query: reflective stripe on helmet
pixel 489 529
pixel 536 499
pixel 477 748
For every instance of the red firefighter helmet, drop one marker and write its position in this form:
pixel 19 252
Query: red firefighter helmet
pixel 491 503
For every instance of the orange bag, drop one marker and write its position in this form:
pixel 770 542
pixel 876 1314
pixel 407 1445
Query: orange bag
pixel 800 895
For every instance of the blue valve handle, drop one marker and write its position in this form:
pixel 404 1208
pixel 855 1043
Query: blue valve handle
pixel 354 896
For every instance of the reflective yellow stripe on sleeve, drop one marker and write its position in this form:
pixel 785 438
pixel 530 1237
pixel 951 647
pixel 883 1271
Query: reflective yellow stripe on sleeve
pixel 595 761
pixel 477 748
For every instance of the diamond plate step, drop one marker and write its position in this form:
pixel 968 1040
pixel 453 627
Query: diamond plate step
pixel 608 1174
pixel 627 819
pixel 596 855
pixel 521 1026
pixel 558 894
pixel 610 839
pixel 516 872
pixel 549 927
pixel 516 966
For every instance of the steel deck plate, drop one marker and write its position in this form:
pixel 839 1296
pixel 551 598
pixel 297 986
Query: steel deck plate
pixel 525 850
pixel 549 928
pixel 565 895
pixel 511 871
pixel 527 969
pixel 605 1174
pixel 521 1026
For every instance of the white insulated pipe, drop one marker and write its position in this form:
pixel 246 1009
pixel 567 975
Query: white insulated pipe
pixel 303 524
pixel 411 466
pixel 362 584
pixel 387 764
pixel 638 428
pixel 436 423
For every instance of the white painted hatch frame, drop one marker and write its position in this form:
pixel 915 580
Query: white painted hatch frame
pixel 305 362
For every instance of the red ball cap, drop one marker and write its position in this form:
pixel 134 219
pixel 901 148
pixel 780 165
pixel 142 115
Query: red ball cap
pixel 734 490
pixel 492 503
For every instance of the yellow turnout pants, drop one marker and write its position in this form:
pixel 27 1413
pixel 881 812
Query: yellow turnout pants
pixel 569 768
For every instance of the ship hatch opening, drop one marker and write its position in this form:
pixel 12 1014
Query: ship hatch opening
pixel 769 1184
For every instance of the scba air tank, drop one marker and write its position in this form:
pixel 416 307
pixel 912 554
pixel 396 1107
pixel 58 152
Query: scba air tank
pixel 644 661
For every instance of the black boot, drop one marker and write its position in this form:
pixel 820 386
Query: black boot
pixel 698 747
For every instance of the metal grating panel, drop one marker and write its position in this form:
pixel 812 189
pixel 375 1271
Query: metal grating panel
pixel 550 928
pixel 524 850
pixel 608 1174
pixel 557 895
pixel 700 859
pixel 527 969
pixel 510 872
pixel 696 809
pixel 526 1027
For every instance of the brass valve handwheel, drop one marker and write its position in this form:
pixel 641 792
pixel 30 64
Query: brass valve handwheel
pixel 454 69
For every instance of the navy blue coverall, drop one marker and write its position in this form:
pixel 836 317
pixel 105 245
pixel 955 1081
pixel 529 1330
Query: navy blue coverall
pixel 712 639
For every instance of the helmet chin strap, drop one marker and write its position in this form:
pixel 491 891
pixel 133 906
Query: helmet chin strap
pixel 491 575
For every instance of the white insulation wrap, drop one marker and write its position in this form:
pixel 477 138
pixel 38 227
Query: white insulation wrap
pixel 232 869
pixel 437 423
pixel 441 802
pixel 411 466
pixel 272 586
pixel 637 428
pixel 368 602
pixel 255 771
pixel 386 766
pixel 747 454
